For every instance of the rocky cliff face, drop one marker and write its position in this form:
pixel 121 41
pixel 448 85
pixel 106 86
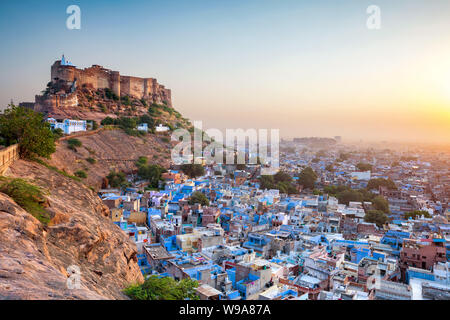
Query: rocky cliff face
pixel 96 104
pixel 87 104
pixel 35 258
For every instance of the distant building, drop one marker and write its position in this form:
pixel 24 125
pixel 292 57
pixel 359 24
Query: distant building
pixel 143 127
pixel 422 253
pixel 161 128
pixel 365 175
pixel 68 126
pixel 65 62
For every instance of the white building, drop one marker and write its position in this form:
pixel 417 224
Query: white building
pixel 143 127
pixel 161 128
pixel 68 126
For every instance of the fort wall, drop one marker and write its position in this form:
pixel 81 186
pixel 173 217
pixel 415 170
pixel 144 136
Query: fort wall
pixel 98 77
pixel 43 103
pixel 8 156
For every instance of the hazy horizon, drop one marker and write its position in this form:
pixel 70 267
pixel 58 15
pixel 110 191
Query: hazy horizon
pixel 308 69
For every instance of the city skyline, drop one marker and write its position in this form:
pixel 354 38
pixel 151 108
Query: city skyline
pixel 307 69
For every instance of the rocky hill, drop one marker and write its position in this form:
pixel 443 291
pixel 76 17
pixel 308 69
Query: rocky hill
pixel 35 257
pixel 109 150
pixel 87 103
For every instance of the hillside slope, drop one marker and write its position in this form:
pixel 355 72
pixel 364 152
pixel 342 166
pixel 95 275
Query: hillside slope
pixel 34 258
pixel 106 148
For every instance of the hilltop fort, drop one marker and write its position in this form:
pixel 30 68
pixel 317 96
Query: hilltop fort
pixel 94 92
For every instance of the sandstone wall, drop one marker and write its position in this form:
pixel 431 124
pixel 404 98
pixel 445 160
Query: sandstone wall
pixel 8 156
pixel 48 102
pixel 98 77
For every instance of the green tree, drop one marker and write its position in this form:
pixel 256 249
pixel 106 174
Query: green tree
pixel 193 170
pixel 416 213
pixel 141 161
pixel 152 173
pixel 107 121
pixel 317 192
pixel 58 133
pixel 281 181
pixel 377 217
pixel 364 166
pixel 28 129
pixel 282 176
pixel 266 182
pixel 198 197
pixel 286 187
pixel 117 179
pixel 376 183
pixel 350 196
pixel 335 190
pixel 381 204
pixel 307 178
pixel 147 119
pixel 158 288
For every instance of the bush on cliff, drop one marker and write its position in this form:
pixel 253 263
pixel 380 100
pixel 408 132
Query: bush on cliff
pixel 91 160
pixel 111 95
pixel 157 288
pixel 26 195
pixel 81 174
pixel 74 143
pixel 28 129
pixel 126 100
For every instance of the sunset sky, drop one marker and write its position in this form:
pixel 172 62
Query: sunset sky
pixel 308 68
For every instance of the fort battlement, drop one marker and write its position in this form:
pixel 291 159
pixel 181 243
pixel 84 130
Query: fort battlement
pixel 98 77
pixel 8 156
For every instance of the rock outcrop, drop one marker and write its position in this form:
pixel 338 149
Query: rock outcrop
pixel 35 258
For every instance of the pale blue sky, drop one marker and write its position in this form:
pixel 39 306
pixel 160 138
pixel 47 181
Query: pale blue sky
pixel 306 67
